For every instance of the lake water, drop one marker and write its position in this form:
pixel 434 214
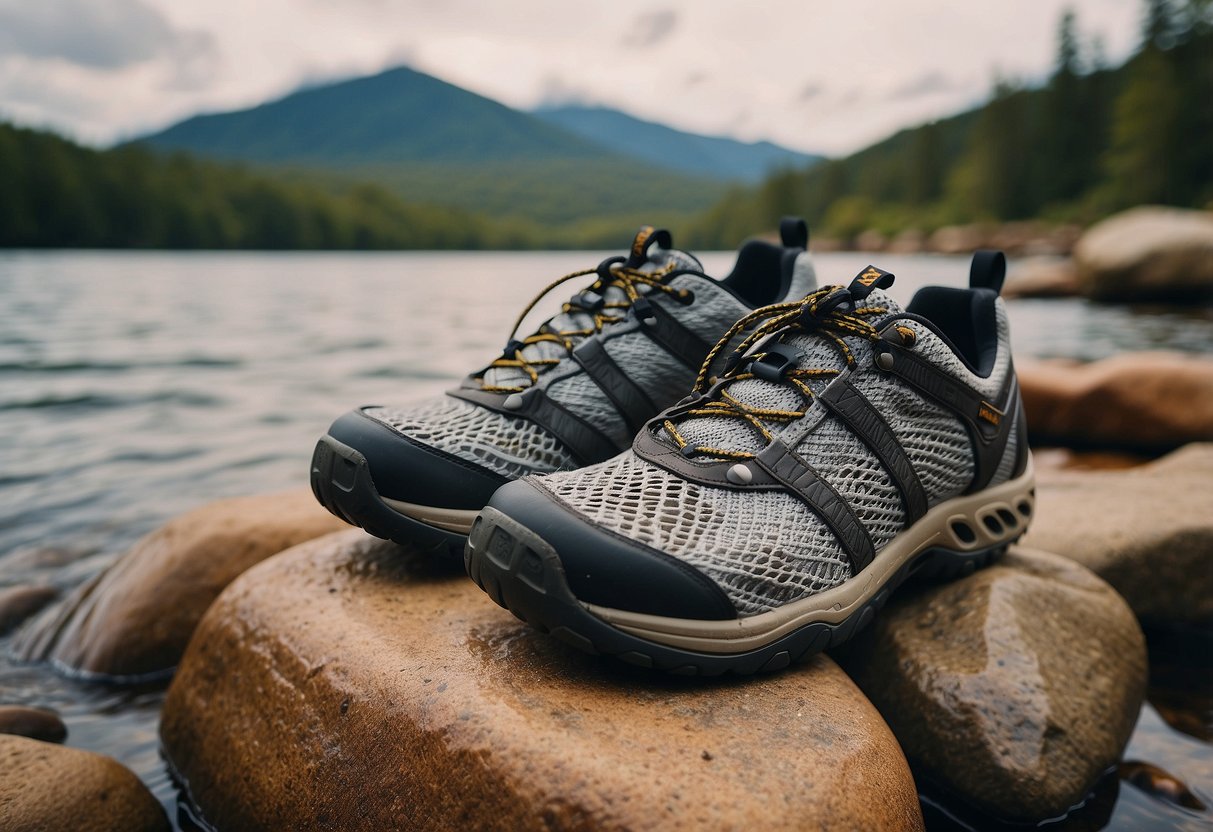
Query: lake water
pixel 135 386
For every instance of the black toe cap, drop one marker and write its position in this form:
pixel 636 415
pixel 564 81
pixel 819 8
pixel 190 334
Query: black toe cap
pixel 609 570
pixel 406 470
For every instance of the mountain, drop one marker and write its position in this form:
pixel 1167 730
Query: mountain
pixel 714 157
pixel 400 115
pixel 429 141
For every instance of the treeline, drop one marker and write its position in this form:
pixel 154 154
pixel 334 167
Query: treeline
pixel 54 193
pixel 1094 140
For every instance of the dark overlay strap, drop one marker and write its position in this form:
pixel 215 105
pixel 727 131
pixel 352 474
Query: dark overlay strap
pixel 669 333
pixel 784 465
pixel 630 401
pixel 865 421
pixel 585 442
pixel 988 423
pixel 776 468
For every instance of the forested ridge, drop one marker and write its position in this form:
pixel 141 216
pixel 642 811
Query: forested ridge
pixel 1092 141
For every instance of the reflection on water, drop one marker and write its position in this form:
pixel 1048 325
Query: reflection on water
pixel 134 386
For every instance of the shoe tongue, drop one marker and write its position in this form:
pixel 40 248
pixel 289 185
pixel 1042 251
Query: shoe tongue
pixel 651 250
pixel 817 352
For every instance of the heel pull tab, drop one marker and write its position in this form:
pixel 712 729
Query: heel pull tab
pixel 644 240
pixel 988 270
pixel 794 232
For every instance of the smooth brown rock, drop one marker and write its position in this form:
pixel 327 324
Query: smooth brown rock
pixel 135 618
pixel 18 603
pixel 1144 401
pixel 1148 253
pixel 346 684
pixel 957 239
pixel 1014 688
pixel 910 241
pixel 35 723
pixel 1046 460
pixel 49 788
pixel 1042 277
pixel 871 240
pixel 1148 531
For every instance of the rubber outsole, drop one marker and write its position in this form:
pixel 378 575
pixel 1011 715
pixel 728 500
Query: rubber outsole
pixel 523 574
pixel 341 481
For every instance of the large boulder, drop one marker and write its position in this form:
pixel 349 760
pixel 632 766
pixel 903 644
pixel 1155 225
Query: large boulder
pixel 1148 531
pixel 350 684
pixel 1014 688
pixel 1148 253
pixel 135 618
pixel 1145 401
pixel 1042 277
pixel 49 788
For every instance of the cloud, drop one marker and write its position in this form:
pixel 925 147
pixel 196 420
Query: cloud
pixel 651 28
pixel 929 83
pixel 110 35
pixel 810 91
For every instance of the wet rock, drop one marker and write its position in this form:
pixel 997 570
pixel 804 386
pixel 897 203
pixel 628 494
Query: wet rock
pixel 1145 401
pixel 1148 253
pixel 1159 784
pixel 135 618
pixel 50 788
pixel 1148 531
pixel 1014 688
pixel 346 684
pixel 35 723
pixel 1042 277
pixel 18 603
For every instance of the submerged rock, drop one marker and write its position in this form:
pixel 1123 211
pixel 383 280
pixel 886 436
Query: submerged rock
pixel 18 603
pixel 50 788
pixel 1148 531
pixel 348 684
pixel 35 723
pixel 1015 688
pixel 1153 401
pixel 1148 253
pixel 136 617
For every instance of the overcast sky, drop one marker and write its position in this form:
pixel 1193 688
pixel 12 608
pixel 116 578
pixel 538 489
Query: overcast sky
pixel 818 75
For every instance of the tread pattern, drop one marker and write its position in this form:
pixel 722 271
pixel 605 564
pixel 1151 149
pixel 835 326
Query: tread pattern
pixel 341 481
pixel 523 574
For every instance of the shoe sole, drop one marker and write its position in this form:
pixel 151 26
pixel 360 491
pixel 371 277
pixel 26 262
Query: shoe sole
pixel 341 481
pixel 522 572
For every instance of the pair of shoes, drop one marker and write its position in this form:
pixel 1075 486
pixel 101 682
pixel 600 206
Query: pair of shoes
pixel 833 445
pixel 620 351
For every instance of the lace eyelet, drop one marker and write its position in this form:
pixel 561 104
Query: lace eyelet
pixel 686 297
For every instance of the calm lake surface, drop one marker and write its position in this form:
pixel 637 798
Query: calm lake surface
pixel 135 386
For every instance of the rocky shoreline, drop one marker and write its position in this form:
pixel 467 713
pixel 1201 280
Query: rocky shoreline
pixel 1147 254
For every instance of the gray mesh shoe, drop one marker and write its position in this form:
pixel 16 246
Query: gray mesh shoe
pixel 574 393
pixel 847 445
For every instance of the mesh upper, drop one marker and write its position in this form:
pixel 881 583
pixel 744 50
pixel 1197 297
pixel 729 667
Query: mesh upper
pixel 513 447
pixel 767 548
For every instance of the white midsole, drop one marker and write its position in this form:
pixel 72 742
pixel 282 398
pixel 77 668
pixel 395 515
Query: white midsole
pixel 448 519
pixel 934 529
